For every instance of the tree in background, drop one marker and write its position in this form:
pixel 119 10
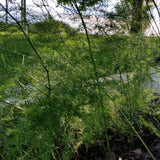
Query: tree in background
pixel 131 16
pixel 23 11
pixel 82 3
pixel 6 11
pixel 24 14
pixel 139 15
pixel 137 9
pixel 7 3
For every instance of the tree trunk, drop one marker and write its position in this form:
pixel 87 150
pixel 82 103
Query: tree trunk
pixel 6 11
pixel 23 14
pixel 136 24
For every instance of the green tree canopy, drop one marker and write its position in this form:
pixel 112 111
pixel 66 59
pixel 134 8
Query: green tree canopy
pixel 134 15
pixel 139 14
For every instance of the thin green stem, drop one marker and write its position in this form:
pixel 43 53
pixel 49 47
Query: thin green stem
pixel 148 150
pixel 34 49
pixel 91 54
pixel 95 72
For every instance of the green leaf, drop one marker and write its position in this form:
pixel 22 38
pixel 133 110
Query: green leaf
pixel 3 59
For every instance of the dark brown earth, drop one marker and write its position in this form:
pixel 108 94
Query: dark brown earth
pixel 157 60
pixel 123 150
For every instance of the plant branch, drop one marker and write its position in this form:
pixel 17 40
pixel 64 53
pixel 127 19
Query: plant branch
pixel 156 7
pixel 34 49
pixel 91 54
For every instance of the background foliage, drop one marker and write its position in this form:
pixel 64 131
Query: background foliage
pixel 37 126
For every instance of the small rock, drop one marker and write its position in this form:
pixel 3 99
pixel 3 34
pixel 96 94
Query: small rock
pixel 137 151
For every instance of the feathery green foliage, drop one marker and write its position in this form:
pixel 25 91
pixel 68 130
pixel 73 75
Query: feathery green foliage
pixel 32 127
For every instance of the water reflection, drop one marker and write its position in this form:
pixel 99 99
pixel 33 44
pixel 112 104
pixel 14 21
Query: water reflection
pixel 155 79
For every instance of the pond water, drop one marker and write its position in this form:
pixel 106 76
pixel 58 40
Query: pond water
pixel 154 83
pixel 14 93
pixel 155 80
